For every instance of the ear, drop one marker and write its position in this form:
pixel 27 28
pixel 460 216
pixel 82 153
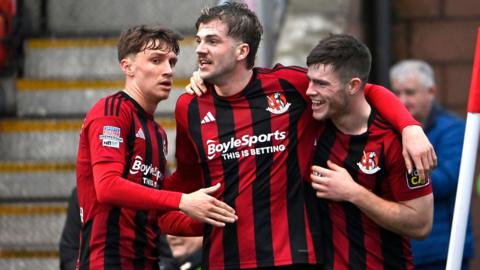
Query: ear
pixel 242 51
pixel 354 86
pixel 432 90
pixel 126 65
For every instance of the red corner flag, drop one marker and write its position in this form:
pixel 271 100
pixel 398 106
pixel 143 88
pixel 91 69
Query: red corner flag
pixel 474 97
pixel 467 168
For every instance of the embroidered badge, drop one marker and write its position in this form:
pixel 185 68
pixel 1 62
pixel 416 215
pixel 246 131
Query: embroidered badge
pixel 111 137
pixel 369 163
pixel 277 103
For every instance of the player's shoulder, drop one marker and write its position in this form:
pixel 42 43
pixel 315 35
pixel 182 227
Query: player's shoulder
pixel 115 105
pixel 281 71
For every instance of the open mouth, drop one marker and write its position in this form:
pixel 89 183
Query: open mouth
pixel 202 62
pixel 318 102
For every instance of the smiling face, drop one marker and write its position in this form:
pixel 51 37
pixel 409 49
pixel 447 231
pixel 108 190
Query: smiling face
pixel 151 71
pixel 218 54
pixel 327 92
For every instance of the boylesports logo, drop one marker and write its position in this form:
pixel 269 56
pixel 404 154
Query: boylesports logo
pixel 369 163
pixel 277 103
pixel 139 166
pixel 214 148
pixel 414 181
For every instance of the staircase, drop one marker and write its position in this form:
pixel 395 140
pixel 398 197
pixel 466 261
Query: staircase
pixel 63 78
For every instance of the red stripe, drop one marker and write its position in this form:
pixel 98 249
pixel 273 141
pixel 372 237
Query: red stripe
pixel 337 214
pixel 474 97
pixel 278 186
pixel 245 224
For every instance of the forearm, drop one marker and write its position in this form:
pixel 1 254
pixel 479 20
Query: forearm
pixel 389 106
pixel 394 216
pixel 177 223
pixel 112 189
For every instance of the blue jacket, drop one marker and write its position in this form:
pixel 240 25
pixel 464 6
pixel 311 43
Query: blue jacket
pixel 445 131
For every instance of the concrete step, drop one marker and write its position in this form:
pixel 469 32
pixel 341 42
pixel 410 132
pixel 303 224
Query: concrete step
pixel 53 140
pixel 36 226
pixel 47 98
pixel 23 181
pixel 29 235
pixel 91 59
pixel 43 262
pixel 107 16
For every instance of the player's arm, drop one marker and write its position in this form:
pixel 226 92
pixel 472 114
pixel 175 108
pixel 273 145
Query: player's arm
pixel 177 223
pixel 417 149
pixel 412 218
pixel 111 188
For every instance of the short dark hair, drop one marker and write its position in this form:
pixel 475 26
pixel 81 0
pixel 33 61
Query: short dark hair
pixel 242 24
pixel 348 56
pixel 136 39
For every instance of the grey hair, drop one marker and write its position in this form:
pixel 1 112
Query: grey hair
pixel 422 69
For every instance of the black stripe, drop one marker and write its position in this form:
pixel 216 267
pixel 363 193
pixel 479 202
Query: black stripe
pixel 161 154
pixel 105 109
pixel 85 247
pixel 261 184
pixel 117 110
pixel 112 105
pixel 353 215
pixel 112 241
pixel 140 242
pixel 195 132
pixel 130 145
pixel 324 146
pixel 226 130
pixel 295 213
pixel 392 249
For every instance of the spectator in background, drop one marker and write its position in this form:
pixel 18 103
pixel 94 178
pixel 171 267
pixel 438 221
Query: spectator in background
pixel 187 251
pixel 414 83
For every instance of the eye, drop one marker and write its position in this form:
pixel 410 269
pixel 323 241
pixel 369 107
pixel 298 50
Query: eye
pixel 173 62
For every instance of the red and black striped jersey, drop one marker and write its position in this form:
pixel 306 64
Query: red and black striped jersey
pixel 257 144
pixel 119 133
pixel 374 160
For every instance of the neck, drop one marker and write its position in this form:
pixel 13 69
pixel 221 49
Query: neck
pixel 233 84
pixel 354 120
pixel 134 92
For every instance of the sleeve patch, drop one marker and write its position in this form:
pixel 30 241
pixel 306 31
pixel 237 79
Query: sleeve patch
pixel 414 181
pixel 111 137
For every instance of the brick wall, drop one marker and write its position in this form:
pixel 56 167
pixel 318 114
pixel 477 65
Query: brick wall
pixel 442 32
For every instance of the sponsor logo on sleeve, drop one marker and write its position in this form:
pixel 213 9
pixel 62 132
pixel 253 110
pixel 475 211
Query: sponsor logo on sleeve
pixel 111 137
pixel 414 181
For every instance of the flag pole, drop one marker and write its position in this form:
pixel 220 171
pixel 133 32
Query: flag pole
pixel 467 168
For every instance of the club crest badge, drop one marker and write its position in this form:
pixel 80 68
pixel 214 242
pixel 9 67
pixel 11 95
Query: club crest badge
pixel 277 103
pixel 369 163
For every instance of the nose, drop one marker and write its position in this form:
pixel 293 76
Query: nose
pixel 310 90
pixel 200 48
